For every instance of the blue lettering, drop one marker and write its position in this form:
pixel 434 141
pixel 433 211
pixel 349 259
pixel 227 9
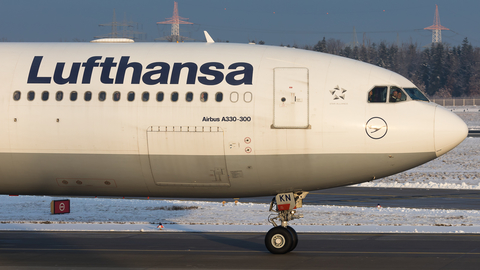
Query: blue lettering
pixel 89 65
pixel 72 78
pixel 217 75
pixel 247 73
pixel 212 73
pixel 122 67
pixel 106 67
pixel 162 72
pixel 33 74
pixel 192 72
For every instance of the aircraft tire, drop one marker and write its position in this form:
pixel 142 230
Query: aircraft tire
pixel 279 240
pixel 294 236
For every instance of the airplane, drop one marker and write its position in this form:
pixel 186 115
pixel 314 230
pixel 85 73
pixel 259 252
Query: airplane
pixel 204 120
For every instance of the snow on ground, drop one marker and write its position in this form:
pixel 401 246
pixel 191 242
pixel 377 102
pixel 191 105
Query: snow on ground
pixel 95 214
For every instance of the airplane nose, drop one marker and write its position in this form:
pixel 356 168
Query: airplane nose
pixel 450 130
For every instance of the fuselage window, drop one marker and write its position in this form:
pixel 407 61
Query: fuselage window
pixel 59 96
pixel 16 95
pixel 131 96
pixel 219 97
pixel 145 96
pixel 116 96
pixel 234 97
pixel 203 96
pixel 378 94
pixel 45 95
pixel 396 94
pixel 174 96
pixel 189 97
pixel 73 96
pixel 102 96
pixel 88 96
pixel 31 95
pixel 247 97
pixel 160 96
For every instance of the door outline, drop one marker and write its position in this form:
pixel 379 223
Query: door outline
pixel 168 148
pixel 291 109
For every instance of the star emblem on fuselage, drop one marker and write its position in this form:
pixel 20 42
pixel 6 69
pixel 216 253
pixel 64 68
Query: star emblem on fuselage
pixel 338 93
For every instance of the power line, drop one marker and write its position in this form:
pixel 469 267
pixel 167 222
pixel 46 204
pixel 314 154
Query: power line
pixel 436 27
pixel 175 21
pixel 303 32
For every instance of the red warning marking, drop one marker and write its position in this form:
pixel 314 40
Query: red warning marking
pixel 282 207
pixel 60 207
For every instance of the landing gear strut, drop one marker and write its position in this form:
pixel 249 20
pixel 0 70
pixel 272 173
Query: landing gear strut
pixel 282 239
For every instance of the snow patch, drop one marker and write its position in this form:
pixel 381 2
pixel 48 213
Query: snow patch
pixel 32 213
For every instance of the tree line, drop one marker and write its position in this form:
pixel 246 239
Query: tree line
pixel 439 70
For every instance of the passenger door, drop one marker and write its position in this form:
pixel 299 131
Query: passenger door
pixel 290 98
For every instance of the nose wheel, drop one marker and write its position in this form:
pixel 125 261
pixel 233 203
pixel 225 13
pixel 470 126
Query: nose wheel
pixel 294 236
pixel 280 240
pixel 283 239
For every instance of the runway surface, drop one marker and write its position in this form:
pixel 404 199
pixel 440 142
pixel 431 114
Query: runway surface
pixel 473 133
pixel 394 197
pixel 66 250
pixel 81 250
pixel 386 197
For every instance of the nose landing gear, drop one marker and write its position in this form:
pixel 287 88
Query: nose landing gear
pixel 282 239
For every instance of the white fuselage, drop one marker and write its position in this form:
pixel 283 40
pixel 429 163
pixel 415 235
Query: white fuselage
pixel 250 120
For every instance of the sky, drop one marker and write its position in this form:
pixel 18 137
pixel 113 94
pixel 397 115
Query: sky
pixel 276 22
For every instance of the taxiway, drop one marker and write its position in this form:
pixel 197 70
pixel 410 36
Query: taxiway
pixel 75 250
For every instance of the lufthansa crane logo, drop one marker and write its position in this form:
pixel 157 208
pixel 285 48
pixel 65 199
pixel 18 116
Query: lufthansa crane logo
pixel 376 128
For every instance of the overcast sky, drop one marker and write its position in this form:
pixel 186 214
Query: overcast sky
pixel 274 21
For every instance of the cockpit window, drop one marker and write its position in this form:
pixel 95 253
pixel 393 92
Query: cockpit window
pixel 378 94
pixel 396 95
pixel 415 94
